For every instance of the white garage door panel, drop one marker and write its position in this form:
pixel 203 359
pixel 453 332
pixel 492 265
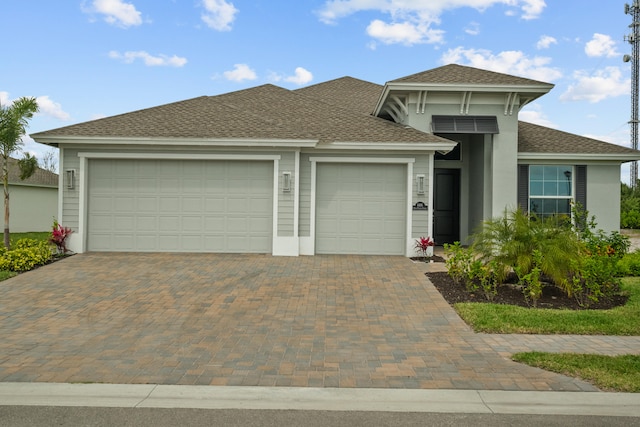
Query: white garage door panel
pixel 361 208
pixel 187 205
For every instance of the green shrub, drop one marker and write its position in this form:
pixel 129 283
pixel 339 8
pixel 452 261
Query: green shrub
pixel 459 262
pixel 25 255
pixel 512 240
pixel 630 219
pixel 629 265
pixel 596 277
pixel 530 281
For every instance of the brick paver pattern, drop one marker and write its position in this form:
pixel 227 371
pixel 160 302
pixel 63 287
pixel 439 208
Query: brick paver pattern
pixel 258 320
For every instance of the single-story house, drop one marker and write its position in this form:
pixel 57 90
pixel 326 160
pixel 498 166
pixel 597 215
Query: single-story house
pixel 341 167
pixel 33 202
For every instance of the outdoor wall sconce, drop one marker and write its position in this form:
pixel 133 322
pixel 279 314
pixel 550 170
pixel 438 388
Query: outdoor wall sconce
pixel 420 184
pixel 71 179
pixel 286 182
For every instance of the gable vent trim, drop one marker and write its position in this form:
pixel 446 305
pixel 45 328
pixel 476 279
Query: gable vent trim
pixel 465 124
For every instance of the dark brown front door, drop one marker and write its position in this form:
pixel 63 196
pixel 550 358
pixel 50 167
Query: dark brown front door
pixel 446 211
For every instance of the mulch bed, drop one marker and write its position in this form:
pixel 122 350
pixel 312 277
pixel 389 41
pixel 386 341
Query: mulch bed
pixel 552 297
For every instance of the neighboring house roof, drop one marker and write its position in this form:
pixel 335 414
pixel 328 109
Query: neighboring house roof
pixel 265 112
pixel 347 92
pixel 460 74
pixel 540 139
pixel 40 177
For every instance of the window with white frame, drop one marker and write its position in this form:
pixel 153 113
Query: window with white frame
pixel 550 190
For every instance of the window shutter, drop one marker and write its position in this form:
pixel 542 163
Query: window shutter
pixel 523 187
pixel 581 185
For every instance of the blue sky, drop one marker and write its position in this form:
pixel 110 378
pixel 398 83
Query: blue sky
pixel 85 59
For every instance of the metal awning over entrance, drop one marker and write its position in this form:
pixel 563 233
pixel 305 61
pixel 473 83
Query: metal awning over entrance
pixel 465 124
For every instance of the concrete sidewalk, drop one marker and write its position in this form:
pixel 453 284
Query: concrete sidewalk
pixel 321 399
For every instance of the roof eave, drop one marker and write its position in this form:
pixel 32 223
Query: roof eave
pixel 534 90
pixel 611 157
pixel 208 142
pixel 443 147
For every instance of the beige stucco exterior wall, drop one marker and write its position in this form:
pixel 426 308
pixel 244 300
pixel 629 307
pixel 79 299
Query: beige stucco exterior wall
pixel 32 208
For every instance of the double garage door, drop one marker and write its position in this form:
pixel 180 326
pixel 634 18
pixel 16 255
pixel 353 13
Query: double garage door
pixel 180 205
pixel 361 209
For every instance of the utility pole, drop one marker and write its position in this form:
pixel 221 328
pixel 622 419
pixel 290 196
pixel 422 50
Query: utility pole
pixel 634 58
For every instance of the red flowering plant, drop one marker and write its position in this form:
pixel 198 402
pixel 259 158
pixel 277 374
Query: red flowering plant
pixel 59 236
pixel 423 244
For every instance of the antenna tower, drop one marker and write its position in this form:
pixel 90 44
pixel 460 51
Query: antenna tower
pixel 634 58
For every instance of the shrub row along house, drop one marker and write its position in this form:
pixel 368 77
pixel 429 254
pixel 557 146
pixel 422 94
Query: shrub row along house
pixel 341 167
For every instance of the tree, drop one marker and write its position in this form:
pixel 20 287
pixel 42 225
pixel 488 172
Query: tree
pixel 49 161
pixel 13 126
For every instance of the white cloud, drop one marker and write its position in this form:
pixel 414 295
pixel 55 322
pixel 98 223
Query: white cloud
pixel 240 73
pixel 52 109
pixel 532 9
pixel 116 12
pixel 300 77
pixel 601 45
pixel 219 14
pixel 407 33
pixel 602 84
pixel 545 42
pixel 510 62
pixel 46 106
pixel 473 29
pixel 411 22
pixel 533 114
pixel 148 59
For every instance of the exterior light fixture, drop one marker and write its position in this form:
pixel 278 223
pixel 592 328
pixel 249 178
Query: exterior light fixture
pixel 420 182
pixel 71 179
pixel 286 182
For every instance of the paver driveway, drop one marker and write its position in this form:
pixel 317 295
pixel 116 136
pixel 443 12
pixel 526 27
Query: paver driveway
pixel 328 321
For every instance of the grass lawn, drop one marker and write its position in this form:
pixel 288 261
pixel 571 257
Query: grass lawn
pixel 613 373
pixel 37 235
pixel 506 319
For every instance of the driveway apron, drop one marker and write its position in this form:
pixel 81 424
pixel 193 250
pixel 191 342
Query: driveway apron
pixel 255 320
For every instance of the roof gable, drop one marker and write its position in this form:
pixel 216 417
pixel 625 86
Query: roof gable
pixel 460 74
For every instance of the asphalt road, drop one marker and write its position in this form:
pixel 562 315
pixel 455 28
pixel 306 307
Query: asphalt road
pixel 34 416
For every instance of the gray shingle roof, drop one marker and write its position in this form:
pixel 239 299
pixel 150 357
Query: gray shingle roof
pixel 40 177
pixel 539 139
pixel 460 74
pixel 348 92
pixel 263 112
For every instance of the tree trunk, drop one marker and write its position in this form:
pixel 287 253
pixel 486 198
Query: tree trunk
pixel 5 183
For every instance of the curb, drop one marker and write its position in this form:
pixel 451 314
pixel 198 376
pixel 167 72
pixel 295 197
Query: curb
pixel 326 399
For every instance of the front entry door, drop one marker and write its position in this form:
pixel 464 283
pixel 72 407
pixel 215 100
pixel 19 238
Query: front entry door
pixel 446 211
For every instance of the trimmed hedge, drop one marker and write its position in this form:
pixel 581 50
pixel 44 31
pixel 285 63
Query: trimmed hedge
pixel 25 255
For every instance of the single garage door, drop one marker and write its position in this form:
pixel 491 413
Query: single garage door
pixel 361 209
pixel 180 205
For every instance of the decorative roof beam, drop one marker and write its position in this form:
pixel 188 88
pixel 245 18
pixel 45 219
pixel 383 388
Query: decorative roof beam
pixel 507 101
pixel 465 102
pixel 513 103
pixel 523 104
pixel 392 114
pixel 398 114
pixel 401 104
pixel 422 101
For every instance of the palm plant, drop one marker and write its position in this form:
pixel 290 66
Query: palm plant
pixel 513 239
pixel 13 123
